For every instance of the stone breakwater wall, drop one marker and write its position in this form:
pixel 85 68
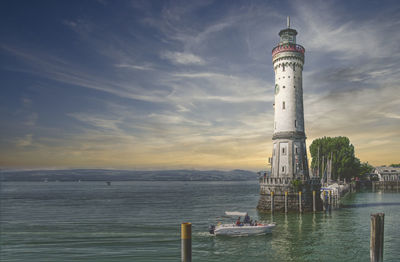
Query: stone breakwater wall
pixel 386 185
pixel 280 195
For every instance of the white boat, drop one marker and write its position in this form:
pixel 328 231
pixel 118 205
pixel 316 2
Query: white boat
pixel 242 229
pixel 245 230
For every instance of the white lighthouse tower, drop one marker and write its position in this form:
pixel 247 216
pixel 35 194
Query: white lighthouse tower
pixel 288 187
pixel 289 155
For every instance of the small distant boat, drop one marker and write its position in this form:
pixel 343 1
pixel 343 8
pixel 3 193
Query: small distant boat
pixel 108 183
pixel 243 229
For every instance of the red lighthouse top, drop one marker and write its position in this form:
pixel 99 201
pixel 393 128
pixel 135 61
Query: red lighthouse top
pixel 287 41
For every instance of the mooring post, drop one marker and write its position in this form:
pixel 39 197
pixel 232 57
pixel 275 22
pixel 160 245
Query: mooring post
pixel 336 199
pixel 272 201
pixel 186 242
pixel 286 201
pixel 323 201
pixel 300 209
pixel 313 201
pixel 330 200
pixel 377 237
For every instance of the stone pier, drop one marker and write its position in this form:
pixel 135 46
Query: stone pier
pixel 281 185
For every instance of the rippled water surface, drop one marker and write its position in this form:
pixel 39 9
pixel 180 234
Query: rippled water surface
pixel 140 221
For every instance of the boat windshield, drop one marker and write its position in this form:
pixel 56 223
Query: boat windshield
pixel 235 213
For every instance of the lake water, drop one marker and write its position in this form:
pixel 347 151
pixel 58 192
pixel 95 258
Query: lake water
pixel 140 221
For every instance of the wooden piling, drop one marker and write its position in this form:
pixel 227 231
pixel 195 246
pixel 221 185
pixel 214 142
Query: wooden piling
pixel 300 209
pixel 313 201
pixel 186 242
pixel 272 201
pixel 323 201
pixel 286 201
pixel 377 237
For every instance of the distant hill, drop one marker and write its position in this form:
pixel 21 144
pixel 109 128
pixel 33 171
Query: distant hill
pixel 126 175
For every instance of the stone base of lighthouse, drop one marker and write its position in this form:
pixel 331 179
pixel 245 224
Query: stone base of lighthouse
pixel 280 192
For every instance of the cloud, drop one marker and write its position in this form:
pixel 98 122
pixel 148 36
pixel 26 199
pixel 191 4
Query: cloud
pixel 182 58
pixel 57 69
pixel 328 28
pixel 97 121
pixel 24 141
pixel 135 67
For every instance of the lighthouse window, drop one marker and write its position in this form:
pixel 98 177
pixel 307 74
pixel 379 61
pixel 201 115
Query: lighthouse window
pixel 296 151
pixel 295 125
pixel 294 86
pixel 294 67
pixel 283 151
pixel 283 169
pixel 283 105
pixel 283 86
pixel 288 77
pixel 283 68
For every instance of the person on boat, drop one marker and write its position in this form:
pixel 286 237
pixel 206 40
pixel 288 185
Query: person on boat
pixel 246 219
pixel 238 222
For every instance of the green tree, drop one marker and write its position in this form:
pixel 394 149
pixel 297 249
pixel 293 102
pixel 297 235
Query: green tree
pixel 365 168
pixel 344 162
pixel 395 165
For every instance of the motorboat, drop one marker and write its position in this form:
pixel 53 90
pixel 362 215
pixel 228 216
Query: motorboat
pixel 240 229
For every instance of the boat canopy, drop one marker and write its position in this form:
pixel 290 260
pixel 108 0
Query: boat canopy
pixel 235 213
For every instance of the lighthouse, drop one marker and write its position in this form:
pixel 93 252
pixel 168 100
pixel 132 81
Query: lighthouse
pixel 288 187
pixel 289 154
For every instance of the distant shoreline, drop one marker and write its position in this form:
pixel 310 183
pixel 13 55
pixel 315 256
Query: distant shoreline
pixel 64 175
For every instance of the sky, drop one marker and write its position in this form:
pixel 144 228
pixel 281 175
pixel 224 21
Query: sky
pixel 189 84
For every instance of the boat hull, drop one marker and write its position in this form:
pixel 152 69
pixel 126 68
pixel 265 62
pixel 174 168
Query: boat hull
pixel 233 230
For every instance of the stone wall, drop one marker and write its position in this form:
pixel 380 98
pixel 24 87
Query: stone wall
pixel 264 203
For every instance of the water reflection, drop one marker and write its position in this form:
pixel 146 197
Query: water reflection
pixel 371 205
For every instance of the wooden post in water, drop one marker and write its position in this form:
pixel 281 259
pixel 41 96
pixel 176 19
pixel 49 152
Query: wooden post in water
pixel 323 201
pixel 330 199
pixel 377 237
pixel 300 209
pixel 336 199
pixel 314 208
pixel 272 201
pixel 286 200
pixel 186 242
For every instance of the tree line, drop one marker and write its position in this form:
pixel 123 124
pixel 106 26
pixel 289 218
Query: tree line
pixel 344 162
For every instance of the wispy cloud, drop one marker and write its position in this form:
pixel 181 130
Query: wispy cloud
pixel 182 58
pixel 62 71
pixel 135 67
pixel 24 141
